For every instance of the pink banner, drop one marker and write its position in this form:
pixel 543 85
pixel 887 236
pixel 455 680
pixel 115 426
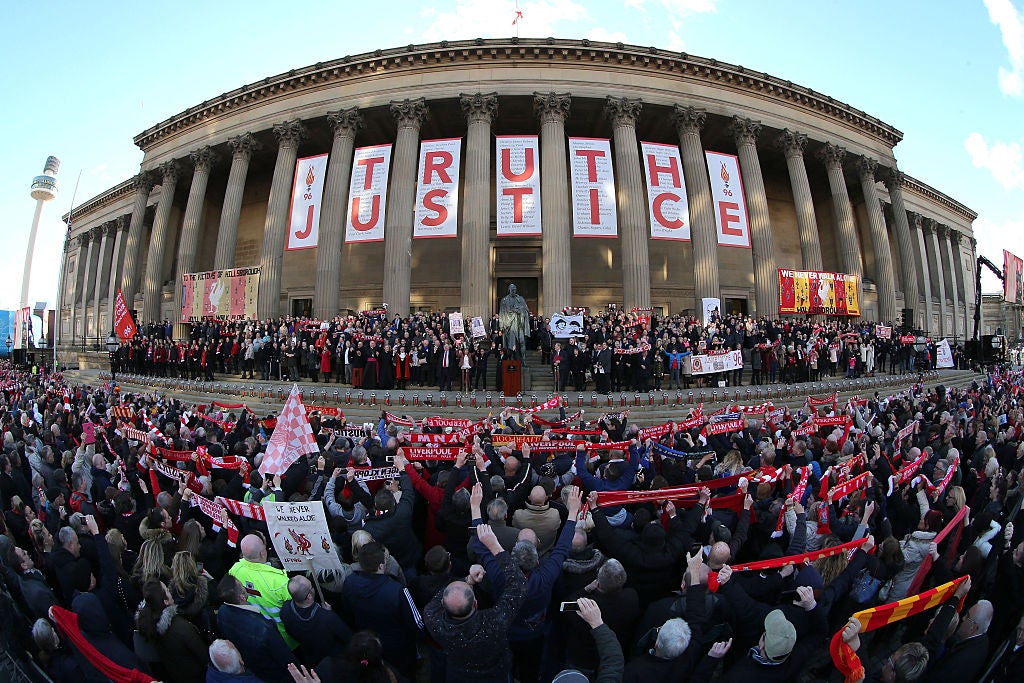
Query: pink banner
pixel 593 188
pixel 437 189
pixel 517 184
pixel 366 194
pixel 730 205
pixel 667 206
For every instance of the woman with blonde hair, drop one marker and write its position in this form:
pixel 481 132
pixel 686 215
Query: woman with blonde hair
pixel 150 565
pixel 190 589
pixel 832 566
pixel 731 464
pixel 42 542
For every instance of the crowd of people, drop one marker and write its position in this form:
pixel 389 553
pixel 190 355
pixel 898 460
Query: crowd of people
pixel 536 549
pixel 617 351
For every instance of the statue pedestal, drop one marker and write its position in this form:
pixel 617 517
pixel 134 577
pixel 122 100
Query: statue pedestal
pixel 511 377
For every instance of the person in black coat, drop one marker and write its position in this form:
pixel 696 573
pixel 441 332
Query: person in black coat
pixel 965 659
pixel 392 526
pixel 319 630
pixel 73 572
pixel 258 639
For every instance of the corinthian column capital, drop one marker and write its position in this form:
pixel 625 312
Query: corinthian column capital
pixel 244 145
pixel 623 111
pixel 143 182
pixel 688 119
pixel 792 143
pixel 479 108
pixel 168 171
pixel 410 113
pixel 916 220
pixel 110 228
pixel 745 131
pixel 345 122
pixel 942 231
pixel 551 106
pixel 203 158
pixel 84 239
pixel 866 167
pixel 122 223
pixel 928 226
pixel 956 237
pixel 832 155
pixel 290 133
pixel 894 181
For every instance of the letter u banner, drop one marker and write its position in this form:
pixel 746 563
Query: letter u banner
pixel 437 189
pixel 593 188
pixel 366 193
pixel 666 191
pixel 727 197
pixel 307 198
pixel 517 184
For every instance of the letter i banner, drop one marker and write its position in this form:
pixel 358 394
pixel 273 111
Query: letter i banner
pixel 367 187
pixel 307 198
pixel 730 205
pixel 517 184
pixel 593 188
pixel 437 189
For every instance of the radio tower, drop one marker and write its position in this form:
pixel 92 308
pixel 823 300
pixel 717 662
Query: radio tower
pixel 44 188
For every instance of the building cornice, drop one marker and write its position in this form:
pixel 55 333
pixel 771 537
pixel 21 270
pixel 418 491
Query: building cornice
pixel 100 201
pixel 509 51
pixel 925 190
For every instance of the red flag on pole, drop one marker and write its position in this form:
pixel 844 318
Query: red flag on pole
pixel 123 322
pixel 292 437
pixel 519 15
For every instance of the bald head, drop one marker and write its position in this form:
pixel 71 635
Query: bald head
pixel 458 600
pixel 579 540
pixel 528 535
pixel 301 591
pixel 538 496
pixel 253 549
pixel 719 555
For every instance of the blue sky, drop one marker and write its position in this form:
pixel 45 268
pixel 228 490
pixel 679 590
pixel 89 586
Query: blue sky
pixel 81 79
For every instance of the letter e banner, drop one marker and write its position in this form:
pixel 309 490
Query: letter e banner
pixel 727 198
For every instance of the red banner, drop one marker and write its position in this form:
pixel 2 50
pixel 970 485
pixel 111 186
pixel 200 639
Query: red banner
pixel 807 292
pixel 124 325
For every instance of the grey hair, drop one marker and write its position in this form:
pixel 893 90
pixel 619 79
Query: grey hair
pixel 77 522
pixel 225 657
pixel 497 483
pixel 525 555
pixel 611 576
pixel 673 638
pixel 45 637
pixel 497 509
pixel 65 535
pixel 359 454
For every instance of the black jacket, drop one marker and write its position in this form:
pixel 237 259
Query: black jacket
pixel 320 631
pixel 394 529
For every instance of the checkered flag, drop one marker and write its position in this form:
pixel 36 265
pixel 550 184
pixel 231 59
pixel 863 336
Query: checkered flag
pixel 292 437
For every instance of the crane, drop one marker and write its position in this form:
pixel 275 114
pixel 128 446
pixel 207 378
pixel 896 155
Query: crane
pixel 982 261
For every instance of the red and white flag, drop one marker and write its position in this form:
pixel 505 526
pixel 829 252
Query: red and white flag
pixel 292 437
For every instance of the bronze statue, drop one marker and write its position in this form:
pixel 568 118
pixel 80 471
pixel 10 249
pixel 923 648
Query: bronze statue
pixel 514 318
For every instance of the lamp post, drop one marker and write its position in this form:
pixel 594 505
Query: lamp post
pixel 112 345
pixel 10 343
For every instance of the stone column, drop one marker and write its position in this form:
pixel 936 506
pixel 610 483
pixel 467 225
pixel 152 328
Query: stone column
pixel 703 231
pixel 133 241
pixel 885 284
pixel 908 276
pixel 632 203
pixel 203 160
pixel 63 296
pixel 346 122
pixel 975 292
pixel 921 262
pixel 157 243
pixel 935 268
pixel 86 244
pixel 409 115
pixel 955 237
pixel 553 110
pixel 793 144
pixel 766 277
pixel 946 252
pixel 476 211
pixel 117 264
pixel 242 149
pixel 849 244
pixel 275 227
pixel 104 259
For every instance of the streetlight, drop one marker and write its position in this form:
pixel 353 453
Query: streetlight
pixel 112 345
pixel 10 343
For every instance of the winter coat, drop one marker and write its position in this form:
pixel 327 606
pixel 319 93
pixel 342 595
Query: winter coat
pixel 263 649
pixel 394 528
pixel 181 649
pixel 379 603
pixel 543 519
pixel 915 549
pixel 320 631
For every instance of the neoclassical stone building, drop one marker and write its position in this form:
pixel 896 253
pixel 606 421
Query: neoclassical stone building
pixel 820 182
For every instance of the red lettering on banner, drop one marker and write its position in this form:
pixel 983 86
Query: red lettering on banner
pixel 591 156
pixel 437 162
pixel 595 207
pixel 369 163
pixel 656 207
pixel 374 213
pixel 430 202
pixel 303 234
pixel 728 218
pixel 655 170
pixel 506 167
pixel 517 194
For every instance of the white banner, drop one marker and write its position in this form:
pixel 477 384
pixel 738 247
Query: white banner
pixel 455 325
pixel 593 188
pixel 667 207
pixel 307 197
pixel 476 325
pixel 517 184
pixel 883 332
pixel 437 192
pixel 300 536
pixel 710 307
pixel 563 326
pixel 366 194
pixel 943 355
pixel 708 364
pixel 729 203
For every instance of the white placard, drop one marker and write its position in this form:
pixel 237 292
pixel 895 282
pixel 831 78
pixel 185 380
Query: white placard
pixel 366 194
pixel 710 306
pixel 943 355
pixel 300 536
pixel 708 364
pixel 883 332
pixel 476 326
pixel 564 326
pixel 437 189
pixel 455 324
pixel 307 198
pixel 517 183
pixel 593 188
pixel 667 206
pixel 730 205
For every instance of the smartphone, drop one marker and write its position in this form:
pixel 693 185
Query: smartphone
pixel 788 596
pixel 569 607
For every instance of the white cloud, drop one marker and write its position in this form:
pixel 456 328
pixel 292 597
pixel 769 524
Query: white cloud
pixel 993 236
pixel 1005 161
pixel 603 34
pixel 493 19
pixel 1010 21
